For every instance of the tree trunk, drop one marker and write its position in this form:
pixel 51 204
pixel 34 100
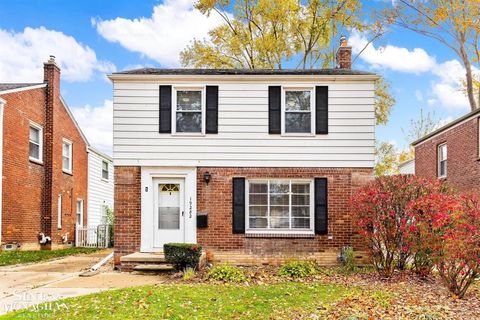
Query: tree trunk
pixel 469 76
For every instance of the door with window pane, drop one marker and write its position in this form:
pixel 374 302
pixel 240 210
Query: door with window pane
pixel 168 218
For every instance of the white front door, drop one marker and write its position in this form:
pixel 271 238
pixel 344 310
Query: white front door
pixel 169 212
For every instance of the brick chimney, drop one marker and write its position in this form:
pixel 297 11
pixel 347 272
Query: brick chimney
pixel 51 76
pixel 344 54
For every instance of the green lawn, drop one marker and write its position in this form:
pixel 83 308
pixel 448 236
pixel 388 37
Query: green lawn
pixel 200 301
pixel 16 257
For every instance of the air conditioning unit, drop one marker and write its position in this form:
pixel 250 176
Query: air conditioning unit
pixel 11 246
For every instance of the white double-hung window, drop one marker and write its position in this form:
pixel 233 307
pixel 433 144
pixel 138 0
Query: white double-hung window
pixel 280 206
pixel 67 156
pixel 298 111
pixel 442 160
pixel 104 170
pixel 35 142
pixel 189 110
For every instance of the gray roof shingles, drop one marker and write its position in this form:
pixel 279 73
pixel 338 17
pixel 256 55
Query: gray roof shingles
pixel 10 86
pixel 156 71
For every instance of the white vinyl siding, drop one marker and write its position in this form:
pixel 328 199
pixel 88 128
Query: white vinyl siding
pixel 100 190
pixel 243 138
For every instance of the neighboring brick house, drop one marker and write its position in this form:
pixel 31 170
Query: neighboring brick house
pixel 44 165
pixel 254 165
pixel 452 153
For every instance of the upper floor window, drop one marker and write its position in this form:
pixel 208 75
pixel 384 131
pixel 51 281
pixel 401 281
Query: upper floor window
pixel 35 142
pixel 189 111
pixel 67 156
pixel 297 111
pixel 442 160
pixel 104 170
pixel 280 205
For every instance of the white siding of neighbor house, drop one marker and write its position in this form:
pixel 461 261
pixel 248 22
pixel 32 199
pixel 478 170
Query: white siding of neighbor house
pixel 243 138
pixel 100 192
pixel 407 167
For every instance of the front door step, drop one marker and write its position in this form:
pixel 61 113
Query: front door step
pixel 144 257
pixel 153 267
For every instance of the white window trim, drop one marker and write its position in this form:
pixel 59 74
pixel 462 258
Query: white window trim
pixel 40 153
pixel 312 111
pixel 59 212
pixel 108 171
pixel 440 176
pixel 81 213
pixel 70 160
pixel 310 231
pixel 202 89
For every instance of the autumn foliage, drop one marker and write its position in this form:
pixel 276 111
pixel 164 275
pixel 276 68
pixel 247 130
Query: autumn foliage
pixel 381 215
pixel 409 221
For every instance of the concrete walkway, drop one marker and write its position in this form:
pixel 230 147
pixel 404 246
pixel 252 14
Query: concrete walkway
pixel 28 285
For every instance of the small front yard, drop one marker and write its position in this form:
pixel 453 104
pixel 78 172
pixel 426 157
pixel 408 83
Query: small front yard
pixel 330 294
pixel 18 257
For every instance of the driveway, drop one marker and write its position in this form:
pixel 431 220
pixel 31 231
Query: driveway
pixel 28 285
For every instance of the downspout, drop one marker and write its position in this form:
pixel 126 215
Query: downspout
pixel 2 105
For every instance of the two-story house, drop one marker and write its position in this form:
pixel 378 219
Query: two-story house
pixel 254 165
pixel 452 153
pixel 44 165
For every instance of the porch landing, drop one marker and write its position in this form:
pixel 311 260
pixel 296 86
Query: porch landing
pixel 149 262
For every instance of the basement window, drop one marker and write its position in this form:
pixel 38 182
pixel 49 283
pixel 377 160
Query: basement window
pixel 35 142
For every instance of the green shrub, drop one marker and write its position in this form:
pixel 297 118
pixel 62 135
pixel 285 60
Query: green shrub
pixel 182 255
pixel 299 269
pixel 227 273
pixel 188 274
pixel 347 258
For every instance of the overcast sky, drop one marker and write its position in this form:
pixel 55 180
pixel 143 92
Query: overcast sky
pixel 93 38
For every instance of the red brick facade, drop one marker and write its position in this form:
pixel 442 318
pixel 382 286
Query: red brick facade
pixel 463 160
pixel 31 189
pixel 216 199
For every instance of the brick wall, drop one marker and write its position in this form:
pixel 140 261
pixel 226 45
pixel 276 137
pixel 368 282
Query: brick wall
pixel 30 189
pixel 127 206
pixel 462 161
pixel 216 199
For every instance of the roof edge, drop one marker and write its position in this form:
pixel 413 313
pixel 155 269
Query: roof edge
pixel 30 87
pixel 74 121
pixel 100 153
pixel 447 126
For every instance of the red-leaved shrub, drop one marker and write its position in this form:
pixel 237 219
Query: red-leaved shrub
pixel 448 229
pixel 379 210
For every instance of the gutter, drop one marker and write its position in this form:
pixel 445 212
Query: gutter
pixel 2 105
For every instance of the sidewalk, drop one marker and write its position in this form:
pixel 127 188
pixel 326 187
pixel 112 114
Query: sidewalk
pixel 26 286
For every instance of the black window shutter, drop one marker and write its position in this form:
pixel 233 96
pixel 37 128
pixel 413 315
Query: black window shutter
pixel 212 109
pixel 321 109
pixel 238 199
pixel 274 110
pixel 321 206
pixel 165 114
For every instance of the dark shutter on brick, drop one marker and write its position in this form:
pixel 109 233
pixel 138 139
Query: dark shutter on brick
pixel 212 109
pixel 321 206
pixel 274 109
pixel 165 106
pixel 321 109
pixel 238 199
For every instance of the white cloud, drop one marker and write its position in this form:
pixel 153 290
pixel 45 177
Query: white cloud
pixel 162 36
pixel 22 55
pixel 391 57
pixel 96 123
pixel 419 95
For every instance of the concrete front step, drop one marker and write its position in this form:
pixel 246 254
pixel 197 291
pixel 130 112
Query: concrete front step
pixel 143 257
pixel 153 267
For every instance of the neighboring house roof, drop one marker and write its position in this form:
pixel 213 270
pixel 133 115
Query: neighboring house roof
pixel 406 162
pixel 14 87
pixel 156 71
pixel 466 117
pixel 74 121
pixel 100 153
